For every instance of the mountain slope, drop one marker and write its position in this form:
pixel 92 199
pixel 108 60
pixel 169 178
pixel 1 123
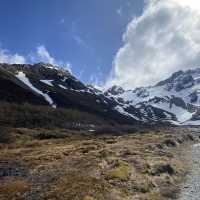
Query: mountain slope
pixel 175 100
pixel 178 96
pixel 45 84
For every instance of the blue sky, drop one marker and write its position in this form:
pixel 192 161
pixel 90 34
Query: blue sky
pixel 85 33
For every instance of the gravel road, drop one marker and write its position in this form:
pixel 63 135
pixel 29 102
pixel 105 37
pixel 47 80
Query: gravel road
pixel 191 189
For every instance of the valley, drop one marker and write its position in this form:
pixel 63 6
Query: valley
pixel 61 139
pixel 100 100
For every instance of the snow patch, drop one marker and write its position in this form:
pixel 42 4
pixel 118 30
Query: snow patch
pixel 197 145
pixel 192 123
pixel 47 82
pixel 122 111
pixel 63 87
pixel 181 114
pixel 22 77
pixel 167 115
pixel 64 79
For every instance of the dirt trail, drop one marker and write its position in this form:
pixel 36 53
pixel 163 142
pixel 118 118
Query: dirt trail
pixel 191 188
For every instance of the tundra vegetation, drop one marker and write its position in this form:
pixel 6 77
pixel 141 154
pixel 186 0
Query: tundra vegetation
pixel 89 163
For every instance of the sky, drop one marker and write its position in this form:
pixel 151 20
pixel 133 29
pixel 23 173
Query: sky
pixel 83 35
pixel 130 43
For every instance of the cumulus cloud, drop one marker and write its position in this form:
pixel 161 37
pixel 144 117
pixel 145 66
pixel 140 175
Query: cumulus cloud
pixel 40 55
pixel 164 39
pixel 7 57
pixel 44 56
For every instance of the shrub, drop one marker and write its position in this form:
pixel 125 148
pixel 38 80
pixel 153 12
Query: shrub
pixel 50 135
pixel 31 116
pixel 5 135
pixel 161 168
pixel 106 129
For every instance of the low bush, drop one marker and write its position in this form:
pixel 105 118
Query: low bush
pixel 29 116
pixel 5 135
pixel 50 135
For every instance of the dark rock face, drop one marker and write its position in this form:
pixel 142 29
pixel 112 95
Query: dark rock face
pixel 179 81
pixel 141 92
pixel 183 82
pixel 115 90
pixel 193 97
pixel 171 79
pixel 178 102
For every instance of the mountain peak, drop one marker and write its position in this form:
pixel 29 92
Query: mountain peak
pixel 115 90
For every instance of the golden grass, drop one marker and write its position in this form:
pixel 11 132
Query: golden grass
pixel 93 167
pixel 121 171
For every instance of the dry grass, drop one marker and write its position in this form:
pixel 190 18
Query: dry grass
pixel 13 188
pixel 65 165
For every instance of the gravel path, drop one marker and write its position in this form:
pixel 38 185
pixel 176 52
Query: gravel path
pixel 191 189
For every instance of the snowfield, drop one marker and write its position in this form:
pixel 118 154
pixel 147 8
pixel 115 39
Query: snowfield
pixel 181 114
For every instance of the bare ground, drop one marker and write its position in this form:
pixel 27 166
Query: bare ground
pixel 191 188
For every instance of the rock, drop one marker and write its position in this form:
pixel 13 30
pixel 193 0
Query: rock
pixel 161 169
pixel 170 143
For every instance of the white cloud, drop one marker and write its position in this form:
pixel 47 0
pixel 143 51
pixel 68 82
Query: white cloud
pixel 164 39
pixel 7 57
pixel 66 65
pixel 44 56
pixel 40 55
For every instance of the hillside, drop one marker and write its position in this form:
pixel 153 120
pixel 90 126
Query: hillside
pixel 44 84
pixel 174 100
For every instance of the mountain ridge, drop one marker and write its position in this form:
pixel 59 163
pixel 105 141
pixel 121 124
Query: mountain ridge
pixel 175 100
pixel 179 95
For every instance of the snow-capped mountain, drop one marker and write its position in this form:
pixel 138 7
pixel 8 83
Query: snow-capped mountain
pixel 178 96
pixel 175 100
pixel 45 84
